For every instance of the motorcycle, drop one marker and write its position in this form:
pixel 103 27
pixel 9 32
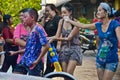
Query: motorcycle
pixel 88 41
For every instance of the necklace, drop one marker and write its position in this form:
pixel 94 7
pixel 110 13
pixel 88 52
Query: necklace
pixel 105 26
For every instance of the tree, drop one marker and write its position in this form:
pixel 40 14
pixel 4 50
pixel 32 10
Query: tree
pixel 14 6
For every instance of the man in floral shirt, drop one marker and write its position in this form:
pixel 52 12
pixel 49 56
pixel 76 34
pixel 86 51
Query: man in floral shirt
pixel 36 45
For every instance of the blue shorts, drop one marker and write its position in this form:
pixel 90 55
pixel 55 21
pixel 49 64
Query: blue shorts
pixel 37 71
pixel 108 66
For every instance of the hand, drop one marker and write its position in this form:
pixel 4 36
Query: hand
pixel 66 18
pixel 33 65
pixel 66 39
pixel 51 39
pixel 58 48
pixel 41 17
pixel 11 53
pixel 48 38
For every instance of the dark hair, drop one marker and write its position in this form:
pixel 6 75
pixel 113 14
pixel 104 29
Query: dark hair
pixel 112 14
pixel 117 13
pixel 32 12
pixel 23 10
pixel 5 18
pixel 53 7
pixel 69 7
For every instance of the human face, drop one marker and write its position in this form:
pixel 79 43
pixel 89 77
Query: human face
pixel 11 21
pixel 65 12
pixel 49 12
pixel 27 19
pixel 46 12
pixel 101 13
pixel 21 16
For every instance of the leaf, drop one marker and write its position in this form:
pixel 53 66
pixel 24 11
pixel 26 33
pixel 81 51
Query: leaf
pixel 14 6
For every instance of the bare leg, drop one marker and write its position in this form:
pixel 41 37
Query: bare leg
pixel 71 66
pixel 64 66
pixel 0 60
pixel 100 73
pixel 108 75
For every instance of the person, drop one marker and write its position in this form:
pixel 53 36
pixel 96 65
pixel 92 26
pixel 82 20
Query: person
pixel 117 18
pixel 21 33
pixel 117 15
pixel 70 53
pixel 108 32
pixel 36 45
pixel 20 36
pixel 51 28
pixel 44 18
pixel 1 38
pixel 7 34
pixel 1 23
pixel 95 31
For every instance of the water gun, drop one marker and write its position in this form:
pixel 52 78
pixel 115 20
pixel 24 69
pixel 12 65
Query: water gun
pixel 53 57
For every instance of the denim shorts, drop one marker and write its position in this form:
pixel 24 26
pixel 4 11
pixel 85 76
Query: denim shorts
pixel 108 66
pixel 37 71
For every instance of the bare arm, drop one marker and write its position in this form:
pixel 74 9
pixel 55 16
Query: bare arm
pixel 81 25
pixel 73 33
pixel 20 42
pixel 118 35
pixel 58 47
pixel 16 52
pixel 9 41
pixel 43 52
pixel 59 43
pixel 70 36
pixel 78 24
pixel 58 33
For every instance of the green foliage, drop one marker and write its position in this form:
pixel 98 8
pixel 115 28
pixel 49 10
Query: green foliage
pixel 84 20
pixel 14 6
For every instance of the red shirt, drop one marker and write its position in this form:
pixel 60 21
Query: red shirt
pixel 7 33
pixel 95 20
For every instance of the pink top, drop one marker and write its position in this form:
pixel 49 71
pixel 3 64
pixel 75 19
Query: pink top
pixel 21 33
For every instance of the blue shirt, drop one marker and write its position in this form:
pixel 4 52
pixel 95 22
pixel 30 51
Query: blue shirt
pixel 108 46
pixel 37 38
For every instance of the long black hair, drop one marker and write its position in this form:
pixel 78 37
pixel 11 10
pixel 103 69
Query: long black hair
pixel 53 7
pixel 6 18
pixel 70 8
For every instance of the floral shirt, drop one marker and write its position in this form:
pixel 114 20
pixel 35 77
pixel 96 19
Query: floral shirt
pixel 37 39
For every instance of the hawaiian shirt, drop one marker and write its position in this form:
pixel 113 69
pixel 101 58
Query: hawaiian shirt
pixel 37 39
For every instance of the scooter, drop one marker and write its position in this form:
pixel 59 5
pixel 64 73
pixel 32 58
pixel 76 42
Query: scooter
pixel 88 42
